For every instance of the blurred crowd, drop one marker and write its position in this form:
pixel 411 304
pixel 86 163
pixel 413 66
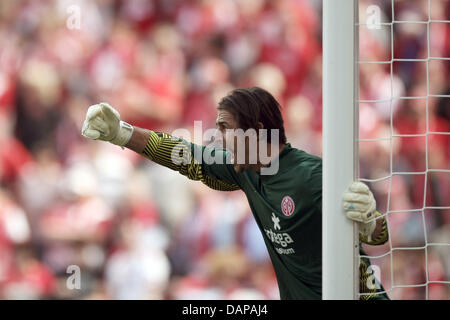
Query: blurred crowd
pixel 140 231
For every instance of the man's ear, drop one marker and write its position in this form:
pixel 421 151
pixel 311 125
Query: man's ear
pixel 260 125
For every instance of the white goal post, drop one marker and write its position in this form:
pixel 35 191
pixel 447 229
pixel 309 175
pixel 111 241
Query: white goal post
pixel 340 156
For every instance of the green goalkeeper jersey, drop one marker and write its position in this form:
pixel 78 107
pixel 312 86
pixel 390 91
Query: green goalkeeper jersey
pixel 287 207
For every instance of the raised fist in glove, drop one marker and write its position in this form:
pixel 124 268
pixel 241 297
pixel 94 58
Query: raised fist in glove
pixel 360 206
pixel 103 123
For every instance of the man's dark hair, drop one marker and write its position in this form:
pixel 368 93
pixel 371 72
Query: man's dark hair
pixel 252 105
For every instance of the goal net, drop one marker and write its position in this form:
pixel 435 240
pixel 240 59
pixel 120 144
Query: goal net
pixel 404 141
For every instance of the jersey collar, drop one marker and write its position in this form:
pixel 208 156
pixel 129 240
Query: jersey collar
pixel 281 159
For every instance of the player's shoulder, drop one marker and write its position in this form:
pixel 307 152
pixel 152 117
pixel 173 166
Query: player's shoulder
pixel 303 173
pixel 305 168
pixel 303 160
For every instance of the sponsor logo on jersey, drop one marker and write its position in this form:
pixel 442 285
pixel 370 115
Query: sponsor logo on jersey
pixel 282 239
pixel 287 206
pixel 285 251
pixel 276 222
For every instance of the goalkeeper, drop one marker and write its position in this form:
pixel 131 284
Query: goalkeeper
pixel 286 204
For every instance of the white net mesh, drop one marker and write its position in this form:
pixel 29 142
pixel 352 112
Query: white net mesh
pixel 404 141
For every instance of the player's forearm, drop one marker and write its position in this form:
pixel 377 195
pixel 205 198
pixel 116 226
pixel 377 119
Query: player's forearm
pixel 380 235
pixel 138 140
pixel 158 147
pixel 161 148
pixel 378 229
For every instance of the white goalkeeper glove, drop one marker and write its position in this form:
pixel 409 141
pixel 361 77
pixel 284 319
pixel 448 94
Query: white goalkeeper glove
pixel 103 123
pixel 360 206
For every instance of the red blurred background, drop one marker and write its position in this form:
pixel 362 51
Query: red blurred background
pixel 163 64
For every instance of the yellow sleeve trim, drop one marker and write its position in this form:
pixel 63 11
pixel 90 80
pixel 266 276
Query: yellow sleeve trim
pixel 382 238
pixel 163 148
